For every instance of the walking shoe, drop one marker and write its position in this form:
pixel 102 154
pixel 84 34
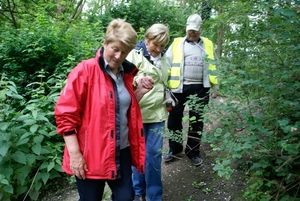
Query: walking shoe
pixel 138 198
pixel 168 157
pixel 196 160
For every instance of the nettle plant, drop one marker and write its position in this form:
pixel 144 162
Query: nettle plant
pixel 30 153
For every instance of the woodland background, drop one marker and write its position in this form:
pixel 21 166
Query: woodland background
pixel 258 48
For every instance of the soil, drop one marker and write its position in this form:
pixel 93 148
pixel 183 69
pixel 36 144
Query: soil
pixel 184 182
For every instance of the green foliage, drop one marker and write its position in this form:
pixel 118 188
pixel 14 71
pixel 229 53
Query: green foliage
pixel 30 154
pixel 259 120
pixel 45 47
pixel 258 46
pixel 144 13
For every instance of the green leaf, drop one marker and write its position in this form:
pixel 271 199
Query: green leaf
pixel 4 125
pixel 37 149
pixel 7 171
pixel 23 117
pixel 19 157
pixel 34 128
pixel 52 133
pixel 288 12
pixel 9 189
pixel 29 122
pixel 25 135
pixel 43 132
pixel 22 141
pixel 34 113
pixel 50 166
pixel 226 162
pixel 292 148
pixel 24 172
pixel 38 139
pixel 31 158
pixel 247 145
pixel 4 181
pixel 226 135
pixel 46 150
pixel 218 167
pixel 45 176
pixel 3 149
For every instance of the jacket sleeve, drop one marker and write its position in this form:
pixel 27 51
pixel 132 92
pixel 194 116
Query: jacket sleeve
pixel 136 57
pixel 70 104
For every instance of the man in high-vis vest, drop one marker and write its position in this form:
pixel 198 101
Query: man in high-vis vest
pixel 190 73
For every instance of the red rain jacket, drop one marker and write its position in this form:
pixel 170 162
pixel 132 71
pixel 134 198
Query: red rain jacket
pixel 87 106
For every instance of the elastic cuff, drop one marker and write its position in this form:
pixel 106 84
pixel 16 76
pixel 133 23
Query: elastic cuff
pixel 70 132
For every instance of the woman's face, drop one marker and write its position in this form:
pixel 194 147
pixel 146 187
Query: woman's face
pixel 115 53
pixel 154 48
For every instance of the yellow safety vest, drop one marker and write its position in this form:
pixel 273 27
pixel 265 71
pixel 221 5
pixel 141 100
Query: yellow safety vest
pixel 177 59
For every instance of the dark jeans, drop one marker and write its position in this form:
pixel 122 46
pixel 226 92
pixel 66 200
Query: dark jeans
pixel 122 190
pixel 175 120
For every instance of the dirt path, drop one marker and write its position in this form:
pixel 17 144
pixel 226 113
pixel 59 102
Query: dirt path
pixel 184 182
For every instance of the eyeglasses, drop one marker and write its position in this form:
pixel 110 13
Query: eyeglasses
pixel 193 32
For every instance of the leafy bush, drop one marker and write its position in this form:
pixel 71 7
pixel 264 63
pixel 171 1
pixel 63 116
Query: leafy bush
pixel 259 119
pixel 30 154
pixel 34 64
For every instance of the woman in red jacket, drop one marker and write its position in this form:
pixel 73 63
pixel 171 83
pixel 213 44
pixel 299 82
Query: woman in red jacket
pixel 99 117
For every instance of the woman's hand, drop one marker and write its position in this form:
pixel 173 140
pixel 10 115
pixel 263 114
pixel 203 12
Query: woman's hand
pixel 147 82
pixel 78 165
pixel 144 85
pixel 77 162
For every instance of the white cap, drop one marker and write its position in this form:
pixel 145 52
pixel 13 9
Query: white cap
pixel 193 22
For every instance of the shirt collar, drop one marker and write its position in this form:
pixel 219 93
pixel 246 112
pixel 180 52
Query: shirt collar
pixel 189 41
pixel 120 69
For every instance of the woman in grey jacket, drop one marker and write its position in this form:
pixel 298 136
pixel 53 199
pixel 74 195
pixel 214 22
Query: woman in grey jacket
pixel 149 57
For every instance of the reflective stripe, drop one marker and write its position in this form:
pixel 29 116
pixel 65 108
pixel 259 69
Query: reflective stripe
pixel 177 56
pixel 209 49
pixel 175 64
pixel 174 78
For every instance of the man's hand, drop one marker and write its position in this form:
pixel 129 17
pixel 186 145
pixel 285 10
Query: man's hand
pixel 214 95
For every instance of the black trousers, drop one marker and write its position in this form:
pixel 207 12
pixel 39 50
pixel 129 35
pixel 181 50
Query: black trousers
pixel 122 190
pixel 176 115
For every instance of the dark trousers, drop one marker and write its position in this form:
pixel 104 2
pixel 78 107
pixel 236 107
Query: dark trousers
pixel 175 120
pixel 122 190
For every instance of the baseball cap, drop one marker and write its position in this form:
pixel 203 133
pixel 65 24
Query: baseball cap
pixel 193 22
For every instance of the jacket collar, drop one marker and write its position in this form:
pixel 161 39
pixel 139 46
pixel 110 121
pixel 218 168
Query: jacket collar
pixel 129 68
pixel 142 45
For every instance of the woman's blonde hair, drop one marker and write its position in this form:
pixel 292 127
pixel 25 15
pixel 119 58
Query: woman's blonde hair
pixel 159 33
pixel 119 30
